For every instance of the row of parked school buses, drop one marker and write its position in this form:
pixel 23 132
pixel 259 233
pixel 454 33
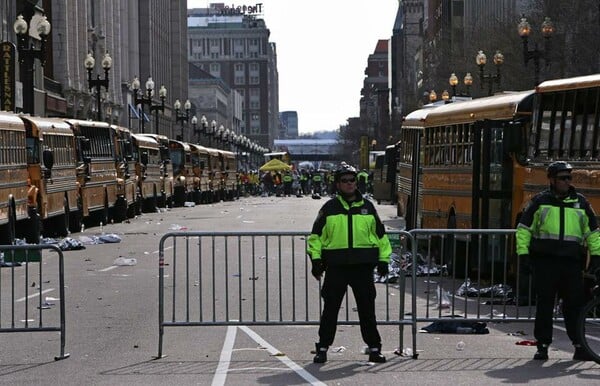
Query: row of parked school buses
pixel 57 174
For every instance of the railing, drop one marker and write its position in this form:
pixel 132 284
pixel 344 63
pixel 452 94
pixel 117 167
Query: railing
pixel 263 278
pixel 24 283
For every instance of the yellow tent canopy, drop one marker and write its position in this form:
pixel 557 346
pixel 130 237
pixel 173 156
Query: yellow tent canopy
pixel 274 165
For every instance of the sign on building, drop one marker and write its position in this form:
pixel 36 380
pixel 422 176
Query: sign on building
pixel 7 83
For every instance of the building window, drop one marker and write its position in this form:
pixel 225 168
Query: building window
pixel 215 70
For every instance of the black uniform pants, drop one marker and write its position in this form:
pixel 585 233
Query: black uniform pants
pixel 337 279
pixel 563 277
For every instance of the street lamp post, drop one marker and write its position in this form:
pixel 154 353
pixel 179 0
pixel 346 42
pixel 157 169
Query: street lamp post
pixel 147 99
pixel 195 128
pixel 481 61
pixel 468 81
pixel 98 83
pixel 182 117
pixel 536 54
pixel 27 54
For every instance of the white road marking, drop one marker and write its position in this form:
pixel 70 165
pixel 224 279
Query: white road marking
pixel 108 268
pixel 225 359
pixel 308 377
pixel 35 294
pixel 166 249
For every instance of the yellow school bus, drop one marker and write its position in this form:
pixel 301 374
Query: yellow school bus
pixel 96 172
pixel 13 176
pixel 51 164
pixel 475 164
pixel 148 173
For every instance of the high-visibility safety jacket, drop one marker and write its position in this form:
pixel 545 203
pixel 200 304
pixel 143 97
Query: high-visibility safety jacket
pixel 287 178
pixel 553 227
pixel 362 176
pixel 349 234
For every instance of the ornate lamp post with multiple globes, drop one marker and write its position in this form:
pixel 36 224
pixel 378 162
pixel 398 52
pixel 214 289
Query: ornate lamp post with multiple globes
pixel 536 54
pixel 183 118
pixel 489 78
pixel 97 84
pixel 140 99
pixel 27 55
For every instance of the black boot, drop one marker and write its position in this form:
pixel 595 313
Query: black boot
pixel 375 354
pixel 542 352
pixel 321 356
pixel 581 354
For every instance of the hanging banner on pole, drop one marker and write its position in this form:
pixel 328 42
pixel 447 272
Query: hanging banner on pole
pixel 7 81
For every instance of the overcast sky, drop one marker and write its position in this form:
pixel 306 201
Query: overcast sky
pixel 322 51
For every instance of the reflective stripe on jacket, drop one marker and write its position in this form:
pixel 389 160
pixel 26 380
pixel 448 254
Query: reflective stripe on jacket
pixel 349 234
pixel 551 227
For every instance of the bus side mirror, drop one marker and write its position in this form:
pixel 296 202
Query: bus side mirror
pixel 48 158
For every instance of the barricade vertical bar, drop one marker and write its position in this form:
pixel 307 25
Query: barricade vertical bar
pixel 187 279
pixel 240 302
pixel 161 302
pixel 225 279
pixel 174 277
pixel 454 270
pixel 39 288
pixel 478 274
pixel 26 283
pixel 293 278
pixel 213 279
pixel 279 279
pixel 12 278
pixel 414 267
pixel 266 238
pixel 306 274
pixel 505 274
pixel 200 292
pixel 253 281
pixel 61 294
pixel 414 296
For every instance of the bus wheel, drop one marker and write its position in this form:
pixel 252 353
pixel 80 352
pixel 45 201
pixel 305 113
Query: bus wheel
pixel 62 221
pixel 75 221
pixel 8 231
pixel 120 210
pixel 179 199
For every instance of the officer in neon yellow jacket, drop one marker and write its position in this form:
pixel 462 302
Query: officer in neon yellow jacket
pixel 550 237
pixel 347 242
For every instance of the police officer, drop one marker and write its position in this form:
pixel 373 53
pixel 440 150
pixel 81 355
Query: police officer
pixel 363 179
pixel 347 242
pixel 550 238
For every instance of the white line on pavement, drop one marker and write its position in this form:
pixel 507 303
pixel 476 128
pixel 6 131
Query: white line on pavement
pixel 35 294
pixel 108 268
pixel 308 377
pixel 225 359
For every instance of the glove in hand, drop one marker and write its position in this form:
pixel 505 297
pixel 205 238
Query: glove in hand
pixel 382 268
pixel 317 268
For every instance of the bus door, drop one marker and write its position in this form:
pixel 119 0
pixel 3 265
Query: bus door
pixel 492 177
pixel 492 189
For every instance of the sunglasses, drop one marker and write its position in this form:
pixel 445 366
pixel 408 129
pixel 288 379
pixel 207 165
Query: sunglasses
pixel 564 178
pixel 347 180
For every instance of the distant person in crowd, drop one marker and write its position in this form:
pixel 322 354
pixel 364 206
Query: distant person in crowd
pixel 362 180
pixel 347 242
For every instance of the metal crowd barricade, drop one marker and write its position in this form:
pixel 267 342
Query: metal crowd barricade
pixel 251 278
pixel 23 282
pixel 263 278
pixel 480 279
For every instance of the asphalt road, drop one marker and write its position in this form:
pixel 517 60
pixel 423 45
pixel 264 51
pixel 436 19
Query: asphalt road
pixel 112 324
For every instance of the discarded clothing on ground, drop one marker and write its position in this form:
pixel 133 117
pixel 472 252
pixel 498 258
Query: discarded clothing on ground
pixel 495 291
pixel 70 244
pixel 424 267
pixel 456 327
